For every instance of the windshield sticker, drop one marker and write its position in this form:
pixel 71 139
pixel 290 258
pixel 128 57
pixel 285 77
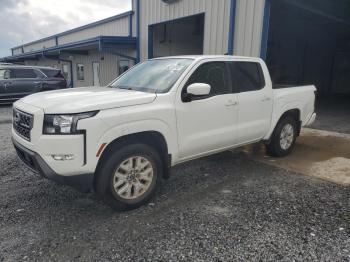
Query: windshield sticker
pixel 175 67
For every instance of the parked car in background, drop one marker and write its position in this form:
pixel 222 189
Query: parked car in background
pixel 120 140
pixel 17 81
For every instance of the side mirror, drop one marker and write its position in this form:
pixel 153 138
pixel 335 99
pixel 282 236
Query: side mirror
pixel 196 91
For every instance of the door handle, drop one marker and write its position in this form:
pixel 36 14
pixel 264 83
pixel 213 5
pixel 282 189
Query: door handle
pixel 231 102
pixel 7 84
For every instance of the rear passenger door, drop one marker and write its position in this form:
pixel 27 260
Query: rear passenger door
pixel 254 98
pixel 53 79
pixel 22 82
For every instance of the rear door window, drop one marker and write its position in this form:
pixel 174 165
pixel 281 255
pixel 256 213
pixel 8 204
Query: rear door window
pixel 247 76
pixel 214 74
pixel 20 73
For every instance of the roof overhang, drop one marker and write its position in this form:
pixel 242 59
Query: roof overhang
pixel 100 43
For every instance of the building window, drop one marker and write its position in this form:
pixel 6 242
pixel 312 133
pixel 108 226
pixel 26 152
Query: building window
pixel 80 72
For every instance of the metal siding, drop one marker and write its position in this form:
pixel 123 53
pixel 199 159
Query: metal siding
pixel 17 51
pixel 118 27
pixel 40 45
pixel 216 21
pixel 108 67
pixel 248 27
pixel 43 62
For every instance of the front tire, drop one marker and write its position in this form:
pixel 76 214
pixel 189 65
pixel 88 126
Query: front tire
pixel 283 138
pixel 129 177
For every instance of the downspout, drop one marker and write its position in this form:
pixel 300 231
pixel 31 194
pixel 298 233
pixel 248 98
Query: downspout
pixel 138 51
pixel 130 25
pixel 231 32
pixel 265 31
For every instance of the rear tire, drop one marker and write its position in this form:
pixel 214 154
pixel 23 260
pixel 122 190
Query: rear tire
pixel 283 138
pixel 129 177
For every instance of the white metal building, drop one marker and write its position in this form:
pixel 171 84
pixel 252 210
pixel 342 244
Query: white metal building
pixel 303 41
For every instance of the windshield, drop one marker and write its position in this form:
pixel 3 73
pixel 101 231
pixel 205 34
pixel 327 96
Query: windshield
pixel 157 75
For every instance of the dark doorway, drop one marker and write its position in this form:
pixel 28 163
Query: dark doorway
pixel 309 43
pixel 182 36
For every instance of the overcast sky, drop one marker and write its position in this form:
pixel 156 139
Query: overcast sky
pixel 23 21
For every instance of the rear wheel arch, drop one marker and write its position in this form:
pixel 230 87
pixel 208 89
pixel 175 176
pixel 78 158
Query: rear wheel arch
pixel 284 135
pixel 294 113
pixel 153 139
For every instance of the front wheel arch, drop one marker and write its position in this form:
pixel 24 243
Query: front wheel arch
pixel 152 138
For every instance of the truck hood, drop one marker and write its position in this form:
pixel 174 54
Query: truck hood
pixel 85 99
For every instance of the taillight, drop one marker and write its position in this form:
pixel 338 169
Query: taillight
pixel 315 92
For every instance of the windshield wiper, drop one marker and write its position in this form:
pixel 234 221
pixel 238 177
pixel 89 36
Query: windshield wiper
pixel 126 88
pixel 122 87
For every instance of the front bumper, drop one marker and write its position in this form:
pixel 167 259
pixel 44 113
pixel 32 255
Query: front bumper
pixel 36 163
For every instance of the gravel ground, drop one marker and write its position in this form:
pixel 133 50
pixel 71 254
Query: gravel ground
pixel 221 208
pixel 5 114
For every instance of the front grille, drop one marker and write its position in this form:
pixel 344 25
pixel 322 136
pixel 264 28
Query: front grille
pixel 22 123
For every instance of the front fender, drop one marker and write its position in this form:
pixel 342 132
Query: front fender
pixel 152 125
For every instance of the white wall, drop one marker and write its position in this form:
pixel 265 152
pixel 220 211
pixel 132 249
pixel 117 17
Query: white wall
pixel 118 27
pixel 248 27
pixel 40 45
pixel 108 68
pixel 17 51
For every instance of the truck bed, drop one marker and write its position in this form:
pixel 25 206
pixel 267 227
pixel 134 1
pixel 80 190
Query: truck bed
pixel 302 97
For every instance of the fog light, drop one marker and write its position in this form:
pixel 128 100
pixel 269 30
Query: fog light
pixel 62 157
pixel 50 130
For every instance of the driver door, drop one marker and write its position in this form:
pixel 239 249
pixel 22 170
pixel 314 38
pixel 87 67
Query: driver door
pixel 208 123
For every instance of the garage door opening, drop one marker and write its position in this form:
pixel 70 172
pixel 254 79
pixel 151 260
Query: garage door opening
pixel 309 43
pixel 178 37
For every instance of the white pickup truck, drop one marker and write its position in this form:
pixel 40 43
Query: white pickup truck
pixel 121 140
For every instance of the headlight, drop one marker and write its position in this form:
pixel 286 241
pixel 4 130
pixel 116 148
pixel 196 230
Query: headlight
pixel 64 124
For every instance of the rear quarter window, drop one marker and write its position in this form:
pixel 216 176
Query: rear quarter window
pixel 4 74
pixel 52 73
pixel 247 76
